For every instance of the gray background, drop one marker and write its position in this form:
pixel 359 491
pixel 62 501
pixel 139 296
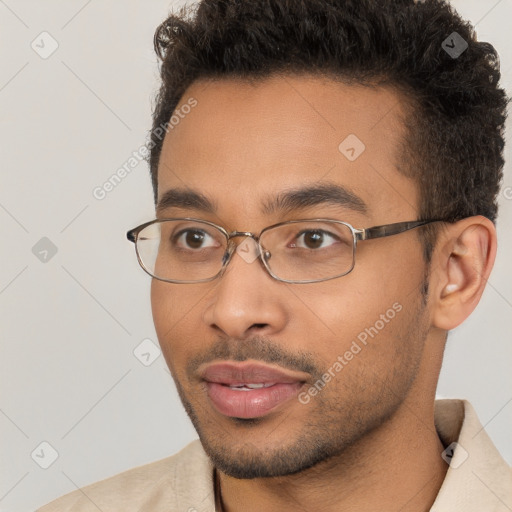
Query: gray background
pixel 70 324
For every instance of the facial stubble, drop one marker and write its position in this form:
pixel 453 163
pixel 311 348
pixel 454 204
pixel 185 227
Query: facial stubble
pixel 304 435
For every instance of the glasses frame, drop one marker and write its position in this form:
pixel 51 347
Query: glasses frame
pixel 358 235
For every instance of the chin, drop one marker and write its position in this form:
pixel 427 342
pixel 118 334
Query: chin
pixel 249 462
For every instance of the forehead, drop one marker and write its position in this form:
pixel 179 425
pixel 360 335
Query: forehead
pixel 261 138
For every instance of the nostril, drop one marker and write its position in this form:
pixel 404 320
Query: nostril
pixel 259 326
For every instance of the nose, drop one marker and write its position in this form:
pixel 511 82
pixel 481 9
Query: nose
pixel 246 299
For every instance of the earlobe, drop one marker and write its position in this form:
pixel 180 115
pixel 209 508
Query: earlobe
pixel 462 265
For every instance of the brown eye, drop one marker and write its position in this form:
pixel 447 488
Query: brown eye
pixel 194 239
pixel 313 239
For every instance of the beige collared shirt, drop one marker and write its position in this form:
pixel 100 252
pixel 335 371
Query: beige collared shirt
pixel 478 479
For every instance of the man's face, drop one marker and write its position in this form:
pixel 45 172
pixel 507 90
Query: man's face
pixel 241 146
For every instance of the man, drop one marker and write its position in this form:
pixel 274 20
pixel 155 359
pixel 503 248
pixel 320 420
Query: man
pixel 325 178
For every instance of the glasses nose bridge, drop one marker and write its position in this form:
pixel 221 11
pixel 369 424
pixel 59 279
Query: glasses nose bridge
pixel 230 249
pixel 235 234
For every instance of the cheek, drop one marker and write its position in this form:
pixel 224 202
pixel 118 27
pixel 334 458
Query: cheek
pixel 372 302
pixel 362 341
pixel 177 319
pixel 329 319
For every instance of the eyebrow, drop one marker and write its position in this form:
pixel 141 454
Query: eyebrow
pixel 187 199
pixel 304 197
pixel 287 201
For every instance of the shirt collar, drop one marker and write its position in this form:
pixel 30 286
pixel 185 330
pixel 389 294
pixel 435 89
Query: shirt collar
pixel 478 478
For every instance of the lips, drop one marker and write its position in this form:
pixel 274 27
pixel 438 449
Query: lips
pixel 250 390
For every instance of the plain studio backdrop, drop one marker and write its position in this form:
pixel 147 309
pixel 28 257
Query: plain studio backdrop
pixel 84 390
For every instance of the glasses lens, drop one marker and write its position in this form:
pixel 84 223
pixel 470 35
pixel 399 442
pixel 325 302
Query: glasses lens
pixel 309 251
pixel 181 250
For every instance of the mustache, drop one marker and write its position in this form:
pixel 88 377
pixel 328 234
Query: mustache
pixel 256 348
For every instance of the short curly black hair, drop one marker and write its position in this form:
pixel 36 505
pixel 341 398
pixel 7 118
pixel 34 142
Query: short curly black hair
pixel 454 140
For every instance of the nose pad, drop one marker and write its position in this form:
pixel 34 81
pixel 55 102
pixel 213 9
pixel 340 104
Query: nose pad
pixel 230 249
pixel 233 247
pixel 226 257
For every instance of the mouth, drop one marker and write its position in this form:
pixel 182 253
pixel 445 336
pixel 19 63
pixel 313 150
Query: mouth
pixel 250 390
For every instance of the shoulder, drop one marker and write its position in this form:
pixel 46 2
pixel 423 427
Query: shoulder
pixel 156 485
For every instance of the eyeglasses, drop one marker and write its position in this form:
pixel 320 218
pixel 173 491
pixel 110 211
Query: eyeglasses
pixel 188 250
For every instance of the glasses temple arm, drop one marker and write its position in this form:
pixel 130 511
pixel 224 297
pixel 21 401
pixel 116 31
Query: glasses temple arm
pixel 390 229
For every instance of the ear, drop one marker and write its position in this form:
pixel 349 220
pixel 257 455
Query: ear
pixel 461 264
